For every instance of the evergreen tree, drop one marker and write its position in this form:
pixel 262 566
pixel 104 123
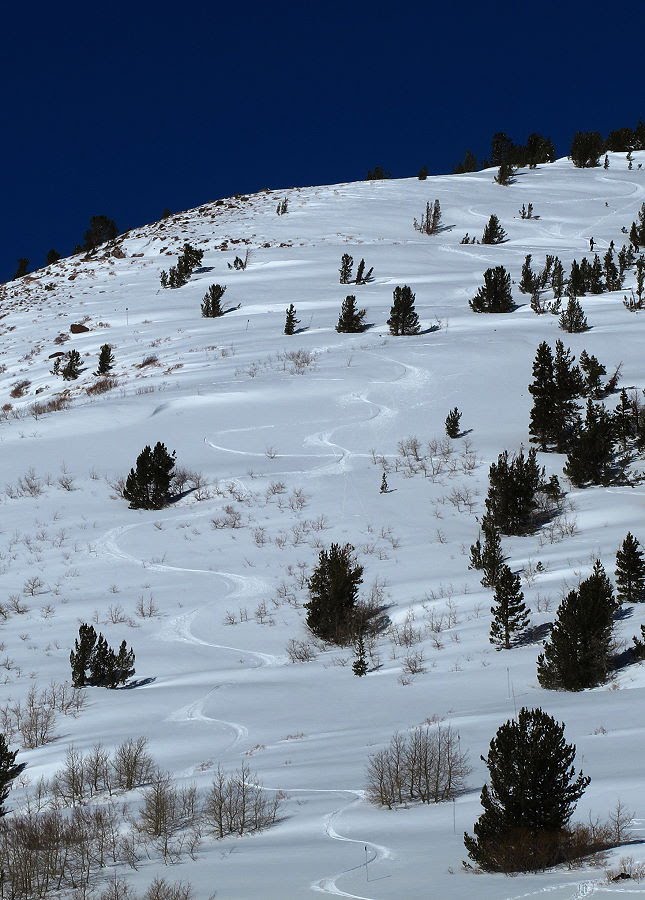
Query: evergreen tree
pixel 378 173
pixel 492 559
pixel 403 318
pixel 592 371
pixel 569 386
pixel 101 229
pixel 81 656
pixel 468 164
pixel 630 571
pixel 384 484
pixel 596 284
pixel 625 420
pixel 106 360
pixel 514 483
pixel 510 615
pixel 22 269
pixel 572 319
pixel 501 149
pixel 333 595
pixel 212 302
pixel 72 368
pixel 505 174
pixel 290 320
pixel 576 285
pixel 591 449
pixel 531 797
pixel 586 148
pixel 495 294
pixel 350 320
pixel 121 666
pixel 148 487
pixel 423 173
pixel 557 279
pixel 361 276
pixel 493 232
pixel 189 259
pixel 359 666
pixel 52 257
pixel 452 423
pixel 430 220
pixel 613 279
pixel 577 654
pixel 345 271
pixel 527 281
pixel 8 771
pixel 543 391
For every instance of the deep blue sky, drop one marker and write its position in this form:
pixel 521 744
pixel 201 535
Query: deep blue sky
pixel 127 109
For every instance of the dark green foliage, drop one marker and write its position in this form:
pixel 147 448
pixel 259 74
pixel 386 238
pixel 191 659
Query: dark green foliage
pixel 492 559
pixel 22 268
pixel 592 371
pixel 495 294
pixel 345 270
pixel 590 459
pixel 516 489
pixel 72 368
pixel 576 656
pixel 363 277
pixel 557 382
pixel 106 360
pixel 532 794
pixel 640 279
pixel 350 320
pixel 452 423
pixel 290 320
pixel 630 571
pixel 501 149
pixel 212 302
pixel 179 275
pixel 283 207
pixel 625 420
pixel 333 595
pixel 613 278
pixel 101 229
pixel 359 666
pixel 52 257
pixel 377 174
pixel 94 663
pixel 505 174
pixel 595 283
pixel 528 279
pixel 8 771
pixel 384 485
pixel 510 615
pixel 557 279
pixel 493 232
pixel 430 220
pixel 621 140
pixel 526 212
pixel 586 148
pixel 539 149
pixel 639 644
pixel 468 164
pixel 576 286
pixel 543 390
pixel 423 173
pixel 403 318
pixel 148 486
pixel 572 318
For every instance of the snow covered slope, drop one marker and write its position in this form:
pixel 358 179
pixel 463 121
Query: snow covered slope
pixel 250 408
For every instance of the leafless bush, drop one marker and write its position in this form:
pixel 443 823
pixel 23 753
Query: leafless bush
pixel 33 586
pixel 297 499
pixel 426 765
pixel 151 360
pixel 19 389
pixel 300 651
pixel 300 361
pixel 146 607
pixel 237 804
pixel 231 518
pixel 131 764
pixel 275 488
pixel 35 720
pixel 54 404
pixel 414 663
pixel 30 483
pixel 168 818
pixel 102 385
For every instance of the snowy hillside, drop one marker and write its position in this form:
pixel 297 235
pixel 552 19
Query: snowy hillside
pixel 287 434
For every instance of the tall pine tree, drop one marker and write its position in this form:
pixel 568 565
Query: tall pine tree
pixel 403 318
pixel 350 320
pixel 510 615
pixel 630 571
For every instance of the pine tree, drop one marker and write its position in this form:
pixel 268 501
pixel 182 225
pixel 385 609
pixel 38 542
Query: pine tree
pixel 592 371
pixel 384 484
pixel 543 391
pixel 531 796
pixel 586 148
pixel 72 368
pixel 122 666
pixel 630 571
pixel 8 771
pixel 52 257
pixel 514 483
pixel 22 269
pixel 345 271
pixel 188 261
pixel 576 285
pixel 106 360
pixel 101 229
pixel 505 174
pixel 625 420
pixel 557 279
pixel 495 294
pixel 576 656
pixel 452 423
pixel 82 654
pixel 493 232
pixel 613 279
pixel 591 449
pixel 572 319
pixel 510 615
pixel 403 318
pixel 596 284
pixel 350 320
pixel 361 276
pixel 568 386
pixel 359 666
pixel 468 164
pixel 148 487
pixel 492 559
pixel 333 595
pixel 212 302
pixel 423 173
pixel 527 280
pixel 290 320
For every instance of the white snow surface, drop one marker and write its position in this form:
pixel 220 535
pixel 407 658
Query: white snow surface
pixel 224 397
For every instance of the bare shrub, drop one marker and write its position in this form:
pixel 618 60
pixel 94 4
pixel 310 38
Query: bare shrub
pixel 146 607
pixel 237 804
pixel 426 765
pixel 414 663
pixel 166 815
pixel 30 484
pixel 35 720
pixel 19 389
pixel 33 586
pixel 102 385
pixel 231 518
pixel 151 360
pixel 300 651
pixel 131 764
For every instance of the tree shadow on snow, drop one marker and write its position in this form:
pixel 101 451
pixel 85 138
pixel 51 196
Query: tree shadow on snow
pixel 136 683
